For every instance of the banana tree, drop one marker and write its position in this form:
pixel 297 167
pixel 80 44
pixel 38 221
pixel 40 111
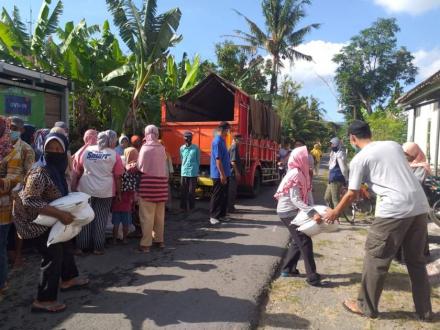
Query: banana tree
pixel 149 36
pixel 176 79
pixel 18 46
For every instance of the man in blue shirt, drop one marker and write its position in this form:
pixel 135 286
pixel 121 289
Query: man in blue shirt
pixel 220 172
pixel 189 171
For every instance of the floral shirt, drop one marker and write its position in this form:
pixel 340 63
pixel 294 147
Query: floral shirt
pixel 11 174
pixel 39 191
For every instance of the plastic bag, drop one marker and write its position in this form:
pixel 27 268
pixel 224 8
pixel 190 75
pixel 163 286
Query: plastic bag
pixel 74 202
pixel 310 227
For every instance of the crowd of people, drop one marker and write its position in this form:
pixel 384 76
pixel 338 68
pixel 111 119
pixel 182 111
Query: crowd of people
pixel 129 178
pixel 126 178
pixel 395 174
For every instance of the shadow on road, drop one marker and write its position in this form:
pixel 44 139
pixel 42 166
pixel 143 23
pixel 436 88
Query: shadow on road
pixel 117 287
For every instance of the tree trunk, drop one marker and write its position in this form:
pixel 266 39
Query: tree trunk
pixel 274 76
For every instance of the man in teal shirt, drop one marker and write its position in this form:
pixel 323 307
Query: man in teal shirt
pixel 190 160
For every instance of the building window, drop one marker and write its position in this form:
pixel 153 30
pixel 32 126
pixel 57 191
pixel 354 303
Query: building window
pixel 418 111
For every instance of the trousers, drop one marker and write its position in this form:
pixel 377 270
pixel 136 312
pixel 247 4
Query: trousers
pixel 188 192
pixel 57 262
pixel 383 240
pixel 152 219
pixel 219 199
pixel 300 245
pixel 93 234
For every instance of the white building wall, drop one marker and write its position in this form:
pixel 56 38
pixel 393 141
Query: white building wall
pixel 424 115
pixel 410 120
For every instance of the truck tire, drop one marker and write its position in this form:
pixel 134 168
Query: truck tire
pixel 256 187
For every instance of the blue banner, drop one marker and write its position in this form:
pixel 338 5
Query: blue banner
pixel 17 105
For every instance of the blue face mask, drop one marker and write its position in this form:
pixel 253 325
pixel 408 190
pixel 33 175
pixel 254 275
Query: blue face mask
pixel 15 135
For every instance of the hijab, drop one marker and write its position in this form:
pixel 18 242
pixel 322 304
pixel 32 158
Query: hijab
pixel 6 145
pixel 28 134
pixel 40 136
pixel 56 167
pixel 297 174
pixel 90 138
pixel 152 135
pixel 107 139
pixel 131 156
pixel 152 156
pixel 416 152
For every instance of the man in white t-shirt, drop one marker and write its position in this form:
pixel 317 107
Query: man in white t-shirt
pixel 400 219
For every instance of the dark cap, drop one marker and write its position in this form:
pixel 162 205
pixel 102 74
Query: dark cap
pixel 224 125
pixel 187 134
pixel 359 128
pixel 17 121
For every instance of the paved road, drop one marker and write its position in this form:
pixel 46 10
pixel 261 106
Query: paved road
pixel 207 278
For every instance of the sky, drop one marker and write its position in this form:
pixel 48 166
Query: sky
pixel 206 22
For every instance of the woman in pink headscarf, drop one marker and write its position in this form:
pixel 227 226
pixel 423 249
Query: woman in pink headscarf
pixel 153 189
pixel 90 139
pixel 417 160
pixel 293 196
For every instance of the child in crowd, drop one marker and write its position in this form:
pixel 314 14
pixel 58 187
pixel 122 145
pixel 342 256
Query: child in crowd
pixel 122 206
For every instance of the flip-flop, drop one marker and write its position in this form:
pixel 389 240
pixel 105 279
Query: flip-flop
pixel 76 286
pixel 47 309
pixel 142 250
pixel 350 310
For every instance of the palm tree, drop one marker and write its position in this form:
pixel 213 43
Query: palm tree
pixel 149 36
pixel 281 38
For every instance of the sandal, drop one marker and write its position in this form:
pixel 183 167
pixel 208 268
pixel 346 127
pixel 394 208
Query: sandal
pixel 351 306
pixel 56 307
pixel 142 249
pixel 160 245
pixel 77 285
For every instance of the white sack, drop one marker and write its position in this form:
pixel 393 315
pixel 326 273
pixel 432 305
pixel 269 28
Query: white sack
pixel 72 203
pixel 62 233
pixel 310 227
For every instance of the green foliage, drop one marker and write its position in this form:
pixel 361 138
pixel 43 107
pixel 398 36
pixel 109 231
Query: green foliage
pixel 371 67
pixel 279 38
pixel 301 117
pixel 386 125
pixel 177 79
pixel 235 65
pixel 149 36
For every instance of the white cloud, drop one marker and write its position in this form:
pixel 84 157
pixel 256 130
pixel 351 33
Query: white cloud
pixel 413 7
pixel 309 73
pixel 428 62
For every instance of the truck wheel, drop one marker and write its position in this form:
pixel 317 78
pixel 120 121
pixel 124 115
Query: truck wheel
pixel 256 187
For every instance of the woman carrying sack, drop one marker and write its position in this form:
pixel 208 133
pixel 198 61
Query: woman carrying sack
pixel 293 196
pixel 44 184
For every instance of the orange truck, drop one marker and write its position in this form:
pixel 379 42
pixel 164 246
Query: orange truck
pixel 201 110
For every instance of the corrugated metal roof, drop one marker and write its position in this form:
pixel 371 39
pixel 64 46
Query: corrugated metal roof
pixel 408 96
pixel 31 70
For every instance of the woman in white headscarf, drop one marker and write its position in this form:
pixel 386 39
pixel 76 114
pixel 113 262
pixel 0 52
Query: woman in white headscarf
pixel 99 175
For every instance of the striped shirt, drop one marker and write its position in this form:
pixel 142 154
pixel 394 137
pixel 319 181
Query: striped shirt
pixel 153 189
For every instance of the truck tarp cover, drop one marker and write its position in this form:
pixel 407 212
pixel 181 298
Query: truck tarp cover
pixel 210 100
pixel 264 123
pixel 213 100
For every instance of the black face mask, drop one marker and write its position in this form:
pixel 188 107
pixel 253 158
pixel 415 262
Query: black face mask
pixel 335 149
pixel 57 160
